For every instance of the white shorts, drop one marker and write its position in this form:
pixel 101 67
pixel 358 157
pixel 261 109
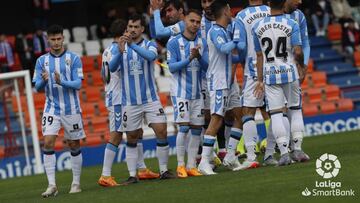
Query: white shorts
pixel 73 125
pixel 234 97
pixel 205 94
pixel 188 111
pixel 248 98
pixel 114 118
pixel 132 116
pixel 284 95
pixel 223 100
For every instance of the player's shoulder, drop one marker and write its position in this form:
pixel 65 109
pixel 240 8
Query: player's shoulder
pixel 41 58
pixel 174 40
pixel 72 55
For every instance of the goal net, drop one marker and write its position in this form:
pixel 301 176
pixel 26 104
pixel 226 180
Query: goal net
pixel 19 143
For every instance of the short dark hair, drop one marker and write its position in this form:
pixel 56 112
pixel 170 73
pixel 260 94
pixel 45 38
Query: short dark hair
pixel 55 29
pixel 137 17
pixel 176 3
pixel 217 7
pixel 197 12
pixel 117 28
pixel 277 4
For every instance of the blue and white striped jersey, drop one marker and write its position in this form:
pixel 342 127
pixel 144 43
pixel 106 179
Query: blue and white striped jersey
pixel 186 83
pixel 276 36
pixel 299 17
pixel 113 86
pixel 220 64
pixel 248 17
pixel 137 76
pixel 205 26
pixel 60 100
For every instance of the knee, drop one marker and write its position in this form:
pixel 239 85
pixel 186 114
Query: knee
pixel 115 138
pixel 49 144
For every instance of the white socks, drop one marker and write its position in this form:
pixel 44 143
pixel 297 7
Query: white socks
pixel 297 128
pixel 250 137
pixel 208 147
pixel 76 164
pixel 180 144
pixel 131 158
pixel 279 131
pixel 141 163
pixel 109 156
pixel 162 153
pixel 49 164
pixel 193 147
pixel 234 140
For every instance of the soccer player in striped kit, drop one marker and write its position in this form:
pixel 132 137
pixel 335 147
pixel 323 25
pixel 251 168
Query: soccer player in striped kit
pixel 248 17
pixel 188 59
pixel 280 67
pixel 60 73
pixel 140 97
pixel 113 104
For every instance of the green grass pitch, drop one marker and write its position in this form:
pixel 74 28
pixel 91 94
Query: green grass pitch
pixel 265 184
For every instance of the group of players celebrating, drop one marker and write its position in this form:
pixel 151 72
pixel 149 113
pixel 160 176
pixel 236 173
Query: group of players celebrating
pixel 271 43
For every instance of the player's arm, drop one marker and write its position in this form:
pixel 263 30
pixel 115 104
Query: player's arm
pixel 204 59
pixel 239 36
pixel 115 60
pixel 298 53
pixel 40 77
pixel 219 41
pixel 259 88
pixel 172 57
pixel 76 76
pixel 305 40
pixel 149 54
pixel 161 31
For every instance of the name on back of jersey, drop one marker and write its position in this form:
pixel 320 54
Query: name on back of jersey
pixel 261 30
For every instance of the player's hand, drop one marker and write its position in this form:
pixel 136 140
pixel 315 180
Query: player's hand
pixel 156 4
pixel 121 43
pixel 57 78
pixel 194 53
pixel 45 76
pixel 302 73
pixel 127 37
pixel 259 90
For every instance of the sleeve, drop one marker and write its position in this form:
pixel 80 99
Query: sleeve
pixel 295 36
pixel 162 32
pixel 204 60
pixel 37 79
pixel 305 40
pixel 149 54
pixel 77 69
pixel 37 71
pixel 114 59
pixel 256 41
pixel 239 35
pixel 218 39
pixel 174 62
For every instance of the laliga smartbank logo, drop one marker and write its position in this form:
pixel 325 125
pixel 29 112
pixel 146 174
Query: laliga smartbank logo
pixel 328 166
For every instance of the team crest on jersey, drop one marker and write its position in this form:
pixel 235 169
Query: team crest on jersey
pixel 182 47
pixel 67 62
pixel 46 63
pixel 135 67
pixel 220 40
pixel 182 115
pixel 175 29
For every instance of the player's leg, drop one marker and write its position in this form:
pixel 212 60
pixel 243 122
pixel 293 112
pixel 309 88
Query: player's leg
pixel 132 119
pixel 218 104
pixel 296 122
pixel 76 164
pixel 155 115
pixel 276 102
pixel 182 119
pixel 74 132
pixel 269 159
pixel 50 128
pixel 196 121
pixel 143 172
pixel 132 155
pixel 111 148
